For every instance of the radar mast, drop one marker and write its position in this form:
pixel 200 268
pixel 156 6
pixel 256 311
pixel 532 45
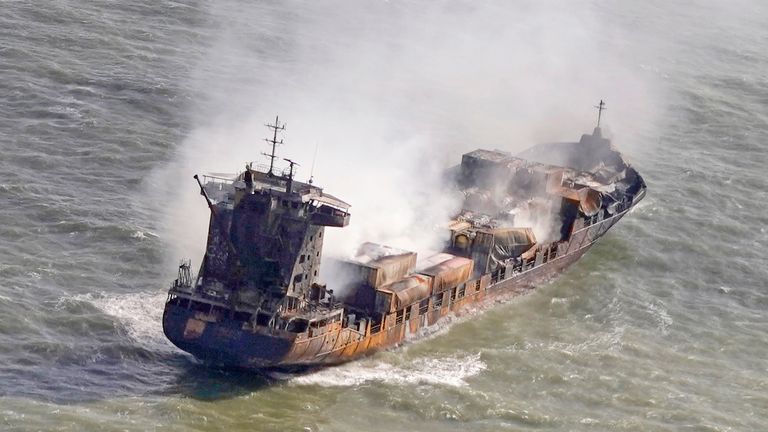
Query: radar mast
pixel 275 127
pixel 600 108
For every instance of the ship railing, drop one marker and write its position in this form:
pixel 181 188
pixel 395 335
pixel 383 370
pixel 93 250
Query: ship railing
pixel 175 286
pixel 260 167
pixel 376 328
pixel 423 306
pixel 551 251
pixel 218 181
pixel 593 219
pixel 399 316
pixel 621 207
pixel 497 275
pixel 276 168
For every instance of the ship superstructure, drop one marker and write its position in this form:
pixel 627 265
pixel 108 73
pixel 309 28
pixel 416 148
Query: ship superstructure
pixel 257 300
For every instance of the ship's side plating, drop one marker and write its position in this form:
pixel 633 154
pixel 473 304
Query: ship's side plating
pixel 257 301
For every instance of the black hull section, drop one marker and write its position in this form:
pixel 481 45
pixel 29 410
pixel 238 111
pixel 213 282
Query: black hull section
pixel 223 341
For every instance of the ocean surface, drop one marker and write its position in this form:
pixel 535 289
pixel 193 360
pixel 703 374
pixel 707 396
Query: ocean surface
pixel 108 108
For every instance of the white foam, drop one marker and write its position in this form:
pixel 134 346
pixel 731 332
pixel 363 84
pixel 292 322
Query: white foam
pixel 601 342
pixel 141 235
pixel 140 313
pixel 589 421
pixel 430 332
pixel 451 371
pixel 660 314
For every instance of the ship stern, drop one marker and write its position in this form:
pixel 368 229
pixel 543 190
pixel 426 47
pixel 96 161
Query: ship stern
pixel 215 336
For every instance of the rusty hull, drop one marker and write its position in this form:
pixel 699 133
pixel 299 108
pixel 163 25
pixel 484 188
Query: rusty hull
pixel 214 338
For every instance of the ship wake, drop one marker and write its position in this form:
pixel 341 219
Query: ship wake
pixel 453 371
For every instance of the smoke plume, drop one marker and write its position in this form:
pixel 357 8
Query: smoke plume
pixel 391 93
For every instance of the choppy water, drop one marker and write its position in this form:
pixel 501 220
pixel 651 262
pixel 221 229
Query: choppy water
pixel 107 108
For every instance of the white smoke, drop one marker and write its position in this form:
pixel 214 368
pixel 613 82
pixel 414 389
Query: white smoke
pixel 393 92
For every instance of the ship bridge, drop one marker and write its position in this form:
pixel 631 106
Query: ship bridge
pixel 323 208
pixel 265 237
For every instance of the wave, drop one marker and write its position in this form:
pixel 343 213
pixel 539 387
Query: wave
pixel 659 313
pixel 450 371
pixel 141 314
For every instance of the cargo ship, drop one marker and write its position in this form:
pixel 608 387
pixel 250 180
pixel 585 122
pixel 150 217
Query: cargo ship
pixel 257 300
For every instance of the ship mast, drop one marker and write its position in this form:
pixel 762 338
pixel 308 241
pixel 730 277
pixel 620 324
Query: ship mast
pixel 600 108
pixel 290 175
pixel 275 127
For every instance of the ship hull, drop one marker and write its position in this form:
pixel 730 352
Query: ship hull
pixel 216 337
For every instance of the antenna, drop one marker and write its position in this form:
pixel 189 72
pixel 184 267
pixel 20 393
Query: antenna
pixel 275 127
pixel 600 108
pixel 289 186
pixel 312 170
pixel 292 164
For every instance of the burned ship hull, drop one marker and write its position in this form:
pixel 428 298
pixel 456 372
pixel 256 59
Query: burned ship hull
pixel 396 297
